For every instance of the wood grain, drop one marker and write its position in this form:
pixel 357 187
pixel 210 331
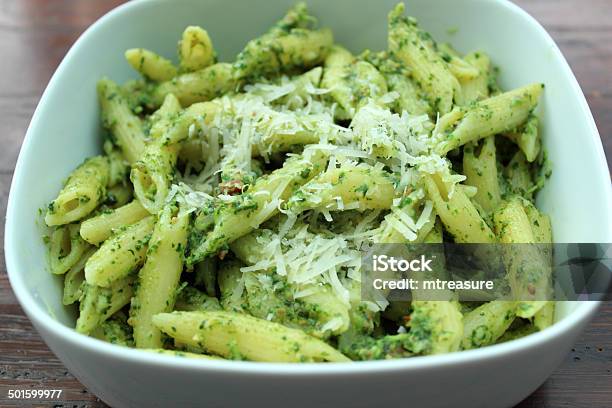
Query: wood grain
pixel 36 34
pixel 583 31
pixel 34 37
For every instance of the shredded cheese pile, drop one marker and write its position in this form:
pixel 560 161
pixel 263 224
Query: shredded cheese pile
pixel 305 251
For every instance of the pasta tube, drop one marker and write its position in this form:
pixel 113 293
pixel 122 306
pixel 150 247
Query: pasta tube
pixel 118 118
pixel 527 138
pixel 198 86
pixel 65 248
pixel 74 278
pixel 477 88
pixel 195 49
pixel 283 48
pixel 540 223
pixel 118 168
pixel 150 65
pixel 162 118
pixel 409 97
pixel 459 67
pixel 416 50
pixel 518 176
pixel 152 175
pixel 351 82
pixel 399 226
pixel 480 168
pixel 99 228
pixel 228 334
pixel 251 248
pixel 398 79
pixel 307 130
pixel 84 189
pixel 528 269
pixel 488 117
pixel 435 326
pixel 289 40
pixel 231 286
pixel 158 279
pixel 174 131
pixel 542 234
pixel 121 255
pixel 359 187
pixel 98 304
pixel 457 213
pixel 487 323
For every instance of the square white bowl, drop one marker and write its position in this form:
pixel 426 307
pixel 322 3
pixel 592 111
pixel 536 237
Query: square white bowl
pixel 66 128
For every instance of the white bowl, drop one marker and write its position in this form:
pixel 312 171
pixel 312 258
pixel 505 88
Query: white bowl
pixel 65 129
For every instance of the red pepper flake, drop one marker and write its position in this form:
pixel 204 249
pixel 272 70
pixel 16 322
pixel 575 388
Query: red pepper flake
pixel 531 289
pixel 232 187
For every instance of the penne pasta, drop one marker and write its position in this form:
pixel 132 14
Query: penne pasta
pixel 484 325
pixel 198 86
pixel 416 50
pixel 118 118
pixel 367 187
pixel 195 49
pixel 121 255
pixel 351 82
pixel 83 191
pixel 289 44
pixel 150 65
pixel 158 279
pixel 488 117
pixel 458 214
pixel 66 248
pixel 74 279
pixel 237 335
pixel 480 168
pixel 528 267
pixel 97 229
pixel 97 304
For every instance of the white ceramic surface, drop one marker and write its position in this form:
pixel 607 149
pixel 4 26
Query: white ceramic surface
pixel 65 129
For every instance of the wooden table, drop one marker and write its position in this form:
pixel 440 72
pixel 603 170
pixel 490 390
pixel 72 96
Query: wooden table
pixel 35 35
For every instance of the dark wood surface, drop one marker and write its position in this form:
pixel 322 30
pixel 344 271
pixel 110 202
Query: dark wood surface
pixel 35 35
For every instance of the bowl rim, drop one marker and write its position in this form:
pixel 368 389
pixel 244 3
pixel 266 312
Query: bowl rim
pixel 40 318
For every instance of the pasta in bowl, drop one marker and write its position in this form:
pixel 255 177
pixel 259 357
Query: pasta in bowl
pixel 126 376
pixel 227 214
